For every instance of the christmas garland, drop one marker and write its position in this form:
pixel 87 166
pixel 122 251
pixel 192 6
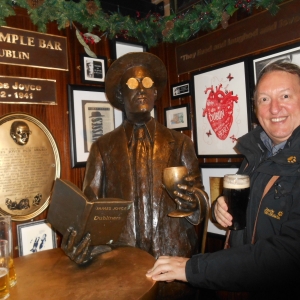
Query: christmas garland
pixel 151 30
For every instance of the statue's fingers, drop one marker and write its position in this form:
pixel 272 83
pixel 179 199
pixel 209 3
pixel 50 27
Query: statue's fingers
pixel 191 177
pixel 184 187
pixel 183 196
pixel 65 237
pixel 68 239
pixel 85 256
pixel 84 243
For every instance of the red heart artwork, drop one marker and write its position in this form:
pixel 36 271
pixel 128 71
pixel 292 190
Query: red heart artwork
pixel 219 110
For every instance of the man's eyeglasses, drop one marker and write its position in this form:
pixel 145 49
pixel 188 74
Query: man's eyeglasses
pixel 133 83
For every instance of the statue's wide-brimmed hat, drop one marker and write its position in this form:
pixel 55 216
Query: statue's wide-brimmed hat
pixel 127 61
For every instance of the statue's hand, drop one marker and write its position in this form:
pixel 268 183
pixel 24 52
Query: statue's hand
pixel 83 252
pixel 186 199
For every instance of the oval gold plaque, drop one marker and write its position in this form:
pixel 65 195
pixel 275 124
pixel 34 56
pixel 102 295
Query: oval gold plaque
pixel 29 165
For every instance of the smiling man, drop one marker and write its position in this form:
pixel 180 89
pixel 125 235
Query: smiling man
pixel 262 259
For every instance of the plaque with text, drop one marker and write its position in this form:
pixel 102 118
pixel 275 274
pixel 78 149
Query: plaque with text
pixel 29 165
pixel 33 49
pixel 27 90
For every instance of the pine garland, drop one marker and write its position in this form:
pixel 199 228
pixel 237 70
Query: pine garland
pixel 151 30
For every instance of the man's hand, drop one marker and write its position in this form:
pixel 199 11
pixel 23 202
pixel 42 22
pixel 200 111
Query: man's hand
pixel 83 252
pixel 168 268
pixel 222 216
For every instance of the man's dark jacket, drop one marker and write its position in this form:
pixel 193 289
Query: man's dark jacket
pixel 270 266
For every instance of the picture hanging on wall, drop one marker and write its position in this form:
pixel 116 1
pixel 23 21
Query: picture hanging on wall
pixel 222 111
pixel 90 116
pixel 212 178
pixel 181 89
pixel 120 47
pixel 93 70
pixel 177 117
pixel 289 54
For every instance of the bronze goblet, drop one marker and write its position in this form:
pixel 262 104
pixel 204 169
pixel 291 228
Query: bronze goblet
pixel 173 176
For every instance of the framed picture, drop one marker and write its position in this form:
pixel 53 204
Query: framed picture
pixel 212 178
pixel 90 116
pixel 286 54
pixel 93 70
pixel 222 108
pixel 181 89
pixel 120 47
pixel 178 117
pixel 35 237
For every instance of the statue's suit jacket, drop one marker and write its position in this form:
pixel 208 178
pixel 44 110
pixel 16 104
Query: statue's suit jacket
pixel 109 175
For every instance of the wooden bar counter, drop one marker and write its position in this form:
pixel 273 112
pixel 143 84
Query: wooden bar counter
pixel 50 274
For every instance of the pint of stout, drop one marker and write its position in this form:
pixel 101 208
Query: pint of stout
pixel 236 190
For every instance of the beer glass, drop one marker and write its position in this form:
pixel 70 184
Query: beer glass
pixel 236 189
pixel 6 234
pixel 4 269
pixel 173 176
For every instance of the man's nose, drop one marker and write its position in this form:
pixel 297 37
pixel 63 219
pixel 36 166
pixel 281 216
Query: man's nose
pixel 275 106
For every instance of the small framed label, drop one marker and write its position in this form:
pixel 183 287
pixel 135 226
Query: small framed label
pixel 181 89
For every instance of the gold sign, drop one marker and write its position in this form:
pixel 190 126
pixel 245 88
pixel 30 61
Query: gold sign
pixel 33 49
pixel 27 90
pixel 259 32
pixel 29 165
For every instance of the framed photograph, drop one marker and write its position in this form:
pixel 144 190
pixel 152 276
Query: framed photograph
pixel 93 70
pixel 286 54
pixel 181 89
pixel 222 108
pixel 90 116
pixel 212 178
pixel 178 117
pixel 35 237
pixel 120 47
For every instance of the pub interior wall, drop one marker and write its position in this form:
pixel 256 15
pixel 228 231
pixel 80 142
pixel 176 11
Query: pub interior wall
pixel 56 117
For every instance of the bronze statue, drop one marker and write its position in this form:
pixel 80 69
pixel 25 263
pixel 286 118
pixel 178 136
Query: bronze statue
pixel 128 163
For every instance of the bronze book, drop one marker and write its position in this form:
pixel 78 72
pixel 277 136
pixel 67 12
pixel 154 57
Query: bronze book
pixel 104 219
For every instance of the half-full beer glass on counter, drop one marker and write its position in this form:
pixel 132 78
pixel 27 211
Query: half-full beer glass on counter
pixel 236 188
pixel 6 234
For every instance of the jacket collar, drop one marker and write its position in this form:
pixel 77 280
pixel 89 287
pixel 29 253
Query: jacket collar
pixel 129 129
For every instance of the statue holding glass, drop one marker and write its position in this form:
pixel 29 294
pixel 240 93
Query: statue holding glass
pixel 129 162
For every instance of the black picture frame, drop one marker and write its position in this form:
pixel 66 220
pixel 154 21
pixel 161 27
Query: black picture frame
pixel 258 62
pixel 289 53
pixel 96 67
pixel 90 116
pixel 180 90
pixel 221 98
pixel 178 117
pixel 120 47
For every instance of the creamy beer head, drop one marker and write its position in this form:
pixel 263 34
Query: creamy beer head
pixel 236 181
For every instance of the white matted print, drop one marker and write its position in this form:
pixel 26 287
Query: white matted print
pixel 212 179
pixel 221 109
pixel 287 54
pixel 35 237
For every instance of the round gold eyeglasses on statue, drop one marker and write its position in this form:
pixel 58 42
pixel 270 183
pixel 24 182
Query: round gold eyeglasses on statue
pixel 133 83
